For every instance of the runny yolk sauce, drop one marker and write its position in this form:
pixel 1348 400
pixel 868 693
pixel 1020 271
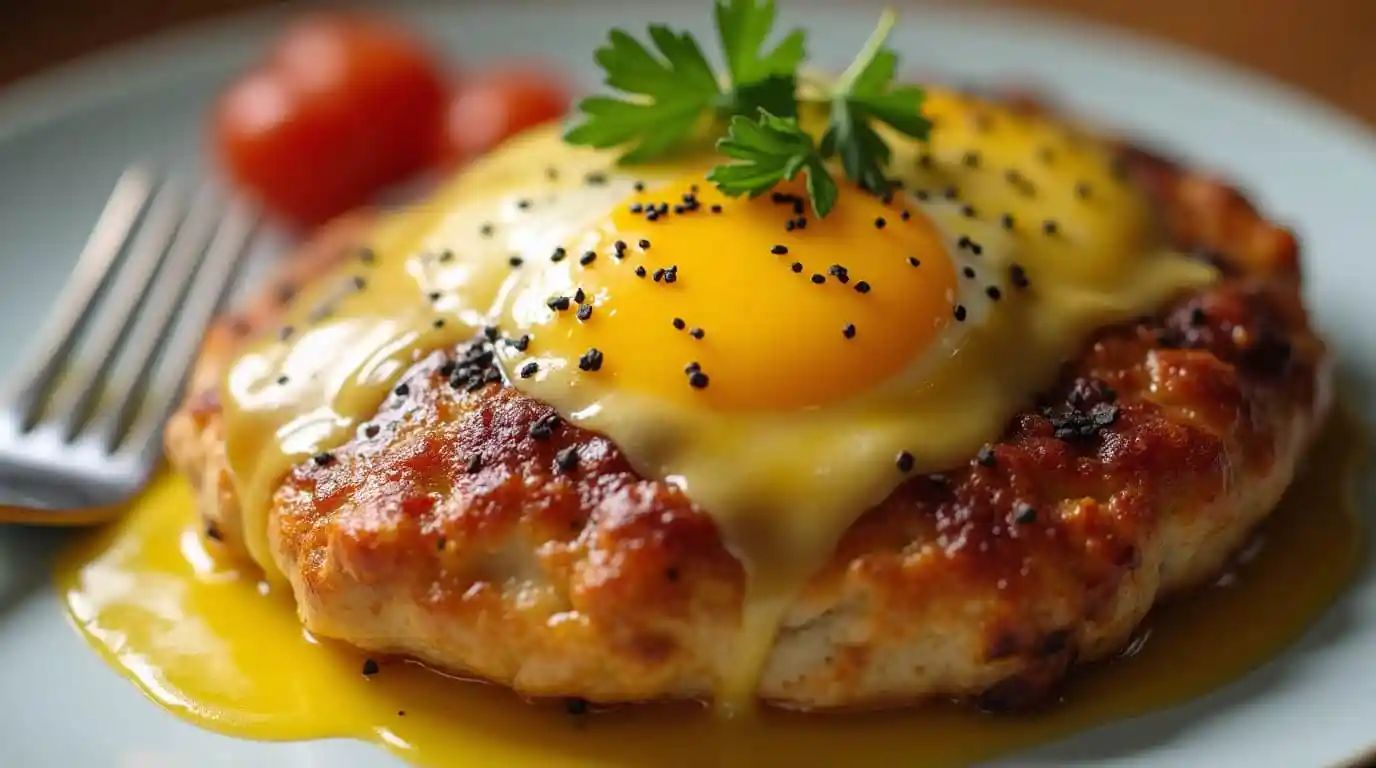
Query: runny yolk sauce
pixel 221 650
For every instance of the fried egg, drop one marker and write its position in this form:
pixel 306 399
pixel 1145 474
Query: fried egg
pixel 785 371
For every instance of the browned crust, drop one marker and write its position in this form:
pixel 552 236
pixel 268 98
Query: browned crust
pixel 1161 447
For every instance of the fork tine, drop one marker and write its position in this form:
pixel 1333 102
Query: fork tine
pixel 130 287
pixel 184 258
pixel 93 269
pixel 199 299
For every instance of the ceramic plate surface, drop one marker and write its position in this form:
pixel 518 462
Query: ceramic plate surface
pixel 64 137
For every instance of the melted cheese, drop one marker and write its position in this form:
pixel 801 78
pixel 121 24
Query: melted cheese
pixel 800 428
pixel 210 646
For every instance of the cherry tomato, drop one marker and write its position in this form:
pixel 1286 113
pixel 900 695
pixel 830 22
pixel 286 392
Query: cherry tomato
pixel 496 105
pixel 343 106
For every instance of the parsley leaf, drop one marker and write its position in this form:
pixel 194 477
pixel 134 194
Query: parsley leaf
pixel 670 94
pixel 758 80
pixel 673 93
pixel 744 25
pixel 863 96
pixel 771 150
pixel 778 94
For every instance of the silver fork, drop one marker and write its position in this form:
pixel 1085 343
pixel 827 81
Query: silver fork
pixel 81 425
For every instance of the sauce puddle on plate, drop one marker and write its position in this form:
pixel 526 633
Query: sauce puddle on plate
pixel 224 653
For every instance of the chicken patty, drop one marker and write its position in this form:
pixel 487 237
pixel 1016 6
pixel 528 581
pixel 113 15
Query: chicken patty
pixel 445 531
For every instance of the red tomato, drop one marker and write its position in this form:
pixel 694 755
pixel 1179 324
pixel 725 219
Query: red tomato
pixel 498 104
pixel 343 106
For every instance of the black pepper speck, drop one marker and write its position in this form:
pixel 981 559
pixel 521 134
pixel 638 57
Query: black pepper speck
pixel 1018 276
pixel 567 459
pixel 985 457
pixel 905 462
pixel 591 360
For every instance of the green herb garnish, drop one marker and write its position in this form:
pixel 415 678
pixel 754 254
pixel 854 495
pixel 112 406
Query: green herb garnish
pixel 669 95
pixel 672 94
pixel 865 94
pixel 770 150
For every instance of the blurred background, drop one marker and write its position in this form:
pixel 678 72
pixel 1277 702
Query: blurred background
pixel 1323 46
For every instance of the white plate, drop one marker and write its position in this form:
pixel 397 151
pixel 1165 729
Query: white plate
pixel 65 136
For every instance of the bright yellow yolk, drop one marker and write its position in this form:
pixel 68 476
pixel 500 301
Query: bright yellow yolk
pixel 765 312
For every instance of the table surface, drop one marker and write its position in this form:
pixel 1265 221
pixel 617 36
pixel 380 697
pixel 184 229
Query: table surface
pixel 1323 46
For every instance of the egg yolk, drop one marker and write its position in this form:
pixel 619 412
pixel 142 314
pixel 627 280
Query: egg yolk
pixel 730 303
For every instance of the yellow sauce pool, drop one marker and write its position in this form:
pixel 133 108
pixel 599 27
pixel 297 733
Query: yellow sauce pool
pixel 227 654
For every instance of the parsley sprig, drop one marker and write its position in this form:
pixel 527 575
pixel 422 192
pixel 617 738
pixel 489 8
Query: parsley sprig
pixel 866 94
pixel 671 96
pixel 770 150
